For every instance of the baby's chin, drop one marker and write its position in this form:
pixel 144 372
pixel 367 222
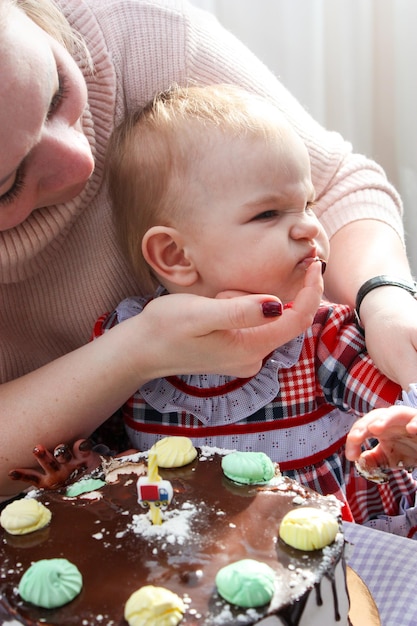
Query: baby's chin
pixel 233 293
pixel 286 299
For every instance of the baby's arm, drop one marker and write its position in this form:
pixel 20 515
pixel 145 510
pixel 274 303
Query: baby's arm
pixel 395 428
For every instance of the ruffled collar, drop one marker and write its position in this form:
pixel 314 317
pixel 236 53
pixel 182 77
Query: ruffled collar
pixel 215 398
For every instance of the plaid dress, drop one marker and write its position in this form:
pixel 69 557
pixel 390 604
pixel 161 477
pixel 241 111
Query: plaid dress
pixel 298 409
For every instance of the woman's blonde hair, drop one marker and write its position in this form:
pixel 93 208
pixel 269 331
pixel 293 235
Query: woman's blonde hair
pixel 48 16
pixel 153 152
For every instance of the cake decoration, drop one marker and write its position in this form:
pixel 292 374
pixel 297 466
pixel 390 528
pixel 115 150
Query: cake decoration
pixel 248 468
pixel 85 485
pixel 24 516
pixel 246 583
pixel 114 468
pixel 174 451
pixel 308 529
pixel 153 491
pixel 50 583
pixel 215 522
pixel 154 606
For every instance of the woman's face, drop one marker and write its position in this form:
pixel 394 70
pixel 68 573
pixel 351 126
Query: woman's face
pixel 45 158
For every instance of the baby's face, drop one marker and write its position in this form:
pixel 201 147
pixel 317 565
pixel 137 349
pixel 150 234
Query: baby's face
pixel 254 228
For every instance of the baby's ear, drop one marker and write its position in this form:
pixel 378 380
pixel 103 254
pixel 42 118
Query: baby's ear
pixel 164 251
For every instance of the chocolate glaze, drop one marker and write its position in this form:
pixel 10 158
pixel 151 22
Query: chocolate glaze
pixel 233 522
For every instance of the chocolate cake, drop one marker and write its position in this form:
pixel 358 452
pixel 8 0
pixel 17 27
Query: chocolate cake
pixel 211 522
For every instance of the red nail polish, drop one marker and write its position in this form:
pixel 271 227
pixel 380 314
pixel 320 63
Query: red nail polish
pixel 39 452
pixel 271 309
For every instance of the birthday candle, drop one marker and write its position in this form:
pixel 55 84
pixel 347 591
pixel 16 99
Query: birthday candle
pixel 156 515
pixel 153 475
pixel 153 491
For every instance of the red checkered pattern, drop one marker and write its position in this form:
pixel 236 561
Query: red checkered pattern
pixel 305 426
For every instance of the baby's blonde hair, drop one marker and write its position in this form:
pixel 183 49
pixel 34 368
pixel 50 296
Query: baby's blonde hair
pixel 153 152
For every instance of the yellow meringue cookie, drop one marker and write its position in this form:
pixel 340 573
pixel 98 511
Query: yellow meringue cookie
pixel 308 528
pixel 24 516
pixel 154 606
pixel 174 451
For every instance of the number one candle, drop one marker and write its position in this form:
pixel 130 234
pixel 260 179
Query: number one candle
pixel 154 477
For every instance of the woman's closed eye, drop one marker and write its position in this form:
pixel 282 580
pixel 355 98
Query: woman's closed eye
pixel 13 193
pixel 59 96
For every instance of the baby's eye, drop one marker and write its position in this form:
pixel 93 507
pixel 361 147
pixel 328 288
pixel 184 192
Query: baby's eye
pixel 266 215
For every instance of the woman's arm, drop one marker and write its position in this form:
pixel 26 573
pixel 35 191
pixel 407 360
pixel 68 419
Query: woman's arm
pixel 377 249
pixel 360 209
pixel 70 397
pixel 388 312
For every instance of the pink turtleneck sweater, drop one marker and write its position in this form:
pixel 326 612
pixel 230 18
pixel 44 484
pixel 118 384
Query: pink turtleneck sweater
pixel 61 269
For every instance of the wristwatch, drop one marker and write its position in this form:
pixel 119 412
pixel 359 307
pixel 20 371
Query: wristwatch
pixel 382 281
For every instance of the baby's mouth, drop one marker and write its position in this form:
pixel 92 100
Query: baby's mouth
pixel 309 260
pixel 323 264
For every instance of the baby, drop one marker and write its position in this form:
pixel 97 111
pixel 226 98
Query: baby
pixel 213 195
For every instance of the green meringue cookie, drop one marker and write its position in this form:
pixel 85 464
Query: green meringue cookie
pixel 85 485
pixel 246 583
pixel 248 467
pixel 50 583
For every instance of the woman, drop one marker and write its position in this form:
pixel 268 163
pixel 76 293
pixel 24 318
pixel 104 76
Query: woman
pixel 59 262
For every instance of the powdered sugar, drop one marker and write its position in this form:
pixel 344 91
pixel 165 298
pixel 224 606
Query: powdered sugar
pixel 175 527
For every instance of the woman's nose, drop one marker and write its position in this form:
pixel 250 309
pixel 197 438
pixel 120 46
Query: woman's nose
pixel 63 159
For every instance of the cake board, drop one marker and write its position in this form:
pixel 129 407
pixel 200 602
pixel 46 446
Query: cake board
pixel 363 610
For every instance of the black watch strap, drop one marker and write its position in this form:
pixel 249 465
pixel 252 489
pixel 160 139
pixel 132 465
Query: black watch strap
pixel 383 281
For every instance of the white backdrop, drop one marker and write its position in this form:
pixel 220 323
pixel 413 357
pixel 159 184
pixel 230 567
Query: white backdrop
pixel 353 65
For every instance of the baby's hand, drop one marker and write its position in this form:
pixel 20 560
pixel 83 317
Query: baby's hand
pixel 60 465
pixel 395 428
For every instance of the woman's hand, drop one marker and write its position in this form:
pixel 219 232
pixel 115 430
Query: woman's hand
pixel 175 334
pixel 58 466
pixel 229 336
pixel 396 430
